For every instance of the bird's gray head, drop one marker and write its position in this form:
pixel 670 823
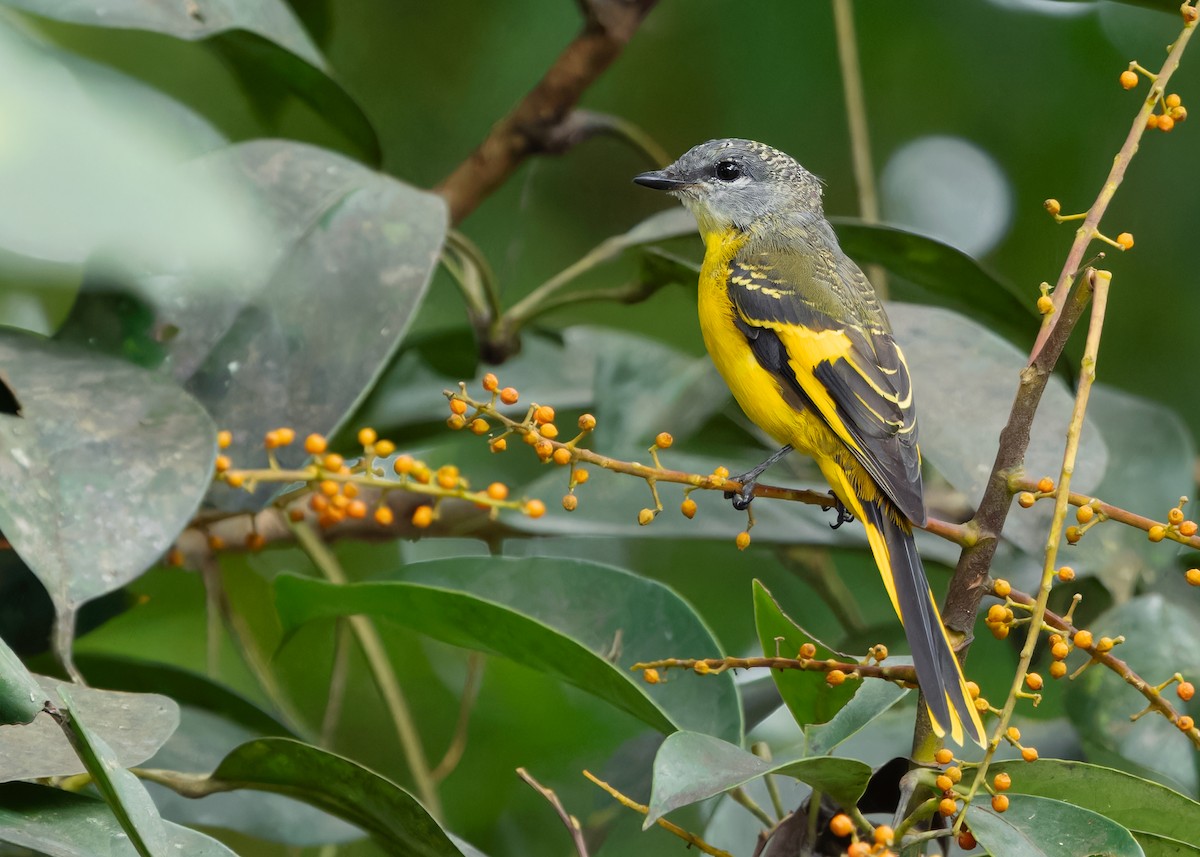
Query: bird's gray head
pixel 737 183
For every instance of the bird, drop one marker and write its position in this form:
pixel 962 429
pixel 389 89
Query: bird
pixel 803 342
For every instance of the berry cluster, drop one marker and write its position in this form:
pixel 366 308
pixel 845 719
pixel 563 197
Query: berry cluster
pixel 1177 524
pixel 1169 109
pixel 879 845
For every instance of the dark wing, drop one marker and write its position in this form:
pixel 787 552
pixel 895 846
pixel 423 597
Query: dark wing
pixel 812 321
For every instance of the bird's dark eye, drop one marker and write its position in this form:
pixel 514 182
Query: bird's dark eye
pixel 727 171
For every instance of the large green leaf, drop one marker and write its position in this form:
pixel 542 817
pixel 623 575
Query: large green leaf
pixel 334 784
pixel 809 697
pixel 579 621
pixel 261 38
pixel 62 824
pixel 1101 703
pixel 19 691
pixel 945 277
pixel 691 767
pixel 295 335
pixel 105 466
pixel 133 725
pixel 872 699
pixel 1040 827
pixel 1143 806
pixel 125 796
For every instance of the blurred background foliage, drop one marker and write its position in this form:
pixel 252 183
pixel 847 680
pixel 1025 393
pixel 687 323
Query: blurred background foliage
pixel 977 112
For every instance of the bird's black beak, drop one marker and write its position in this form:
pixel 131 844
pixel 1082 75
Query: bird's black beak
pixel 659 180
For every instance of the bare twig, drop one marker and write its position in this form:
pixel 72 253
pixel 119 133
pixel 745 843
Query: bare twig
pixel 338 674
pixel 571 822
pixel 534 123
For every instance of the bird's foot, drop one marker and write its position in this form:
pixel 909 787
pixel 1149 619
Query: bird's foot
pixel 742 499
pixel 843 514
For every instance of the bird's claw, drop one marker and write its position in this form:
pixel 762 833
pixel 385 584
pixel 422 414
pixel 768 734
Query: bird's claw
pixel 843 514
pixel 742 499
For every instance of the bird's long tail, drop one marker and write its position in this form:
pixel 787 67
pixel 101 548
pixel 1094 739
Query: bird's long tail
pixel 951 708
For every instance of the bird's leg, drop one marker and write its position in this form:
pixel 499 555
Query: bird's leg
pixel 843 514
pixel 741 499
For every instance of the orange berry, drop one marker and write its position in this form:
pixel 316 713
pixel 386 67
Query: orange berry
pixel 742 541
pixel 587 422
pixel 966 840
pixel 884 835
pixel 1185 723
pixel 457 406
pixel 1125 239
pixel 858 849
pixel 534 508
pixel 1073 534
pixel 498 491
pixel 384 516
pixel 973 690
pixel 1033 681
pixel 1026 500
pixel 1045 485
pixel 721 473
pixel 490 382
pixel 651 676
pixel 948 806
pixel 1105 644
pixel 835 677
pixel 447 476
pixel 580 476
pixel 1189 12
pixel 498 445
pixel 663 440
pixel 422 517
pixel 1000 632
pixel 1000 803
pixel 357 509
pixel 701 668
pixel 1058 669
pixel 808 651
pixel 1179 114
pixel 997 613
pixel 329 488
pixel 944 756
pixel 1001 588
pixel 403 465
pixel 1128 79
pixel 384 448
pixel 339 501
pixel 943 783
pixel 1152 121
pixel 455 422
pixel 549 430
pixel 1060 650
pixel 318 502
pixel 333 461
pixel 1175 516
pixel 479 426
pixel 841 825
pixel 1002 782
pixel 1192 576
pixel 1185 691
pixel 982 705
pixel 367 435
pixel 544 449
pixel 1066 574
pixel 224 439
pixel 350 489
pixel 1029 754
pixel 286 436
pixel 1165 124
pixel 562 455
pixel 1187 529
pixel 1013 733
pixel 223 463
pixel 1083 639
pixel 271 439
pixel 688 507
pixel 570 502
pixel 315 444
pixel 1045 305
pixel 1084 514
pixel 543 414
pixel 645 516
pixel 1052 205
pixel 509 395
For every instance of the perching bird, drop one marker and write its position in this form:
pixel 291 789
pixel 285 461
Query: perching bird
pixel 801 339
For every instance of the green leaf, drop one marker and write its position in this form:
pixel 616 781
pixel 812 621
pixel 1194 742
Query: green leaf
pixel 579 621
pixel 964 378
pixel 1040 827
pixel 808 696
pixel 1143 806
pixel 133 725
pixel 946 277
pixel 691 767
pixel 1100 703
pixel 20 694
pixel 62 824
pixel 329 782
pixel 1162 846
pixel 872 699
pixel 295 335
pixel 256 36
pixel 103 469
pixel 125 796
